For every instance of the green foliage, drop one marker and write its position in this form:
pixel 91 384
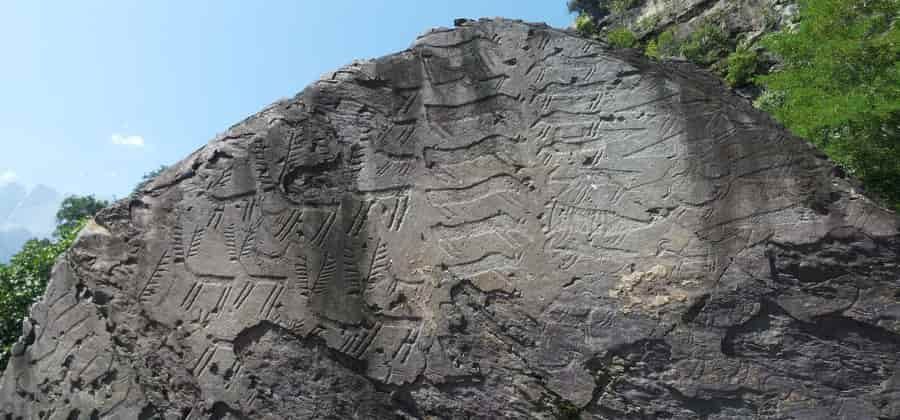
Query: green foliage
pixel 742 66
pixel 595 9
pixel 648 23
pixel 841 85
pixel 622 6
pixel 652 49
pixel 668 43
pixel 584 25
pixel 74 209
pixel 665 45
pixel 621 37
pixel 769 100
pixel 24 279
pixel 870 150
pixel 154 173
pixel 706 44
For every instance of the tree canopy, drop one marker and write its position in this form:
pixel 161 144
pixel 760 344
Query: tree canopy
pixel 840 86
pixel 76 208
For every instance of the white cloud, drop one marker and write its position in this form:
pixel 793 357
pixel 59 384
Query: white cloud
pixel 127 140
pixel 7 177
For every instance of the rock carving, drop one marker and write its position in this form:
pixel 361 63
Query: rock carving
pixel 503 221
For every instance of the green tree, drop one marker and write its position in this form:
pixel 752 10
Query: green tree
pixel 585 25
pixel 74 209
pixel 840 86
pixel 24 280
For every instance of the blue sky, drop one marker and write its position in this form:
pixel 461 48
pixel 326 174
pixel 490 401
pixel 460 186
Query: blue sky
pixel 94 94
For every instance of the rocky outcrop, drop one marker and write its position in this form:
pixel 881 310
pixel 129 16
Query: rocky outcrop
pixel 720 35
pixel 503 221
pixel 745 19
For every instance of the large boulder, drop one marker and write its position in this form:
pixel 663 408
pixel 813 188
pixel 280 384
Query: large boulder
pixel 503 221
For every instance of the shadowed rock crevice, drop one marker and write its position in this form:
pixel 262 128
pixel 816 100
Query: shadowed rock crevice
pixel 251 335
pixel 503 221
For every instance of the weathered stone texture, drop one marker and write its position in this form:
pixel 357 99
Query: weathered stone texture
pixel 504 221
pixel 745 19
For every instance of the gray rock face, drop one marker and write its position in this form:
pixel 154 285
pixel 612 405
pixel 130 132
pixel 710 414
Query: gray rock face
pixel 746 19
pixel 504 221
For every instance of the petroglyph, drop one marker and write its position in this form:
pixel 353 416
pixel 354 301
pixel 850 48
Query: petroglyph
pixel 503 221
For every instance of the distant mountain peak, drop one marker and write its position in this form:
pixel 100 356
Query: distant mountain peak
pixel 31 209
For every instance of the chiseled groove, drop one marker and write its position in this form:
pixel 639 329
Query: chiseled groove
pixel 536 249
pixel 474 184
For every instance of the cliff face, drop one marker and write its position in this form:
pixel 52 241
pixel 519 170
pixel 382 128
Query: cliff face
pixel 747 19
pixel 504 221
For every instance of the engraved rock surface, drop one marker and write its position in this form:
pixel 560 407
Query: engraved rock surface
pixel 503 221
